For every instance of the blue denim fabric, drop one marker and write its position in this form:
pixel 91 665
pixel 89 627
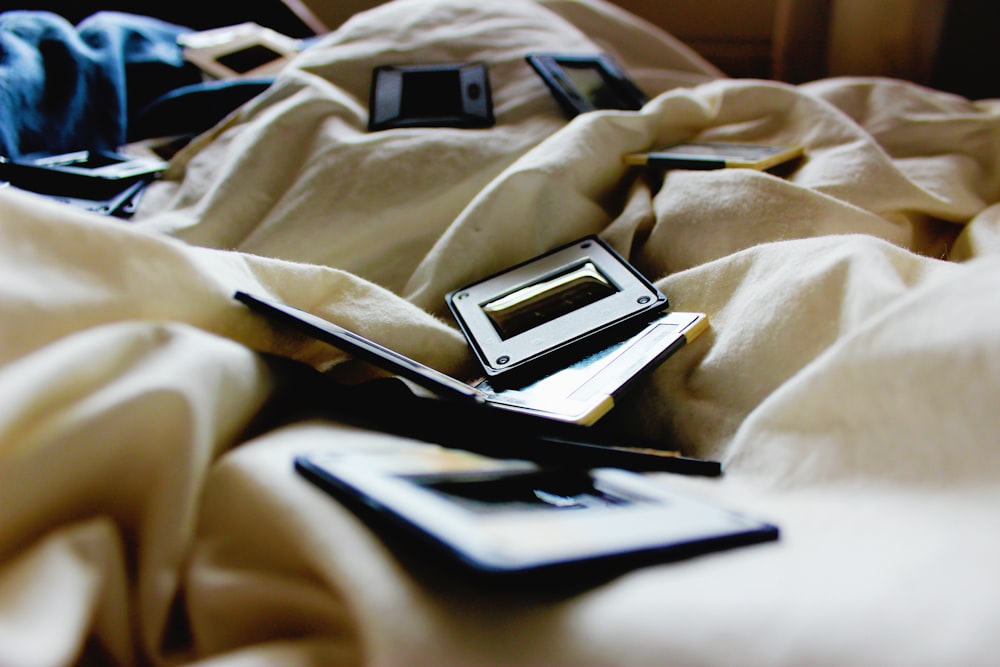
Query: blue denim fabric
pixel 65 88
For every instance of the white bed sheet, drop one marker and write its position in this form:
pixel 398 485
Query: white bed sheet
pixel 849 383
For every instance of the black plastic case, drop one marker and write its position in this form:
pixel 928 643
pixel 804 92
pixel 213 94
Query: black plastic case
pixel 582 83
pixel 513 519
pixel 438 95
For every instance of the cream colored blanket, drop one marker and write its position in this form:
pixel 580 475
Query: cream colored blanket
pixel 850 382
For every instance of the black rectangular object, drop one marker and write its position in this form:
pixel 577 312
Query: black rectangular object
pixel 520 521
pixel 582 83
pixel 434 95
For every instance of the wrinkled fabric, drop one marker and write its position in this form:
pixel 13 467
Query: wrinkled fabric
pixel 65 88
pixel 848 381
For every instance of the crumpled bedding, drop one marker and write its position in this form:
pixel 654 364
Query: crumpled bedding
pixel 848 383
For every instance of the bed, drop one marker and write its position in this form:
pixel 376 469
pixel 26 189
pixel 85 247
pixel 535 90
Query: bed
pixel 849 383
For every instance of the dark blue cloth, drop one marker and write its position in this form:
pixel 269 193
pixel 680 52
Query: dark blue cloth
pixel 191 110
pixel 65 88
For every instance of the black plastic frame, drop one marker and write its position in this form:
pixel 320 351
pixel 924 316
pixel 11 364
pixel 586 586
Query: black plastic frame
pixel 396 92
pixel 552 68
